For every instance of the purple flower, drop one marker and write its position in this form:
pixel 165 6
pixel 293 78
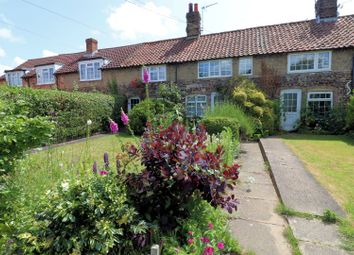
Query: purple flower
pixel 105 159
pixel 124 118
pixel 221 245
pixel 146 75
pixel 103 172
pixel 113 126
pixel 94 167
pixel 205 239
pixel 208 250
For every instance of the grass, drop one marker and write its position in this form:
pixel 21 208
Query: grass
pixel 294 243
pixel 229 110
pixel 330 159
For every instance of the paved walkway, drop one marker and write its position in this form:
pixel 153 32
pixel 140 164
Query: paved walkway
pixel 299 190
pixel 255 225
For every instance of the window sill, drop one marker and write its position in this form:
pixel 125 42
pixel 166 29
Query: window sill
pixel 310 71
pixel 214 77
pixel 91 80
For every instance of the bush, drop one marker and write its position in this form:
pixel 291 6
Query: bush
pixel 246 95
pixel 332 122
pixel 120 101
pixel 89 216
pixel 215 125
pixel 203 221
pixel 147 109
pixel 229 110
pixel 350 113
pixel 69 110
pixel 176 164
pixel 19 133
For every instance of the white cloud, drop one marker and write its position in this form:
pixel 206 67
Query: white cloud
pixel 131 21
pixel 18 61
pixel 7 34
pixel 48 53
pixel 3 68
pixel 2 52
pixel 96 32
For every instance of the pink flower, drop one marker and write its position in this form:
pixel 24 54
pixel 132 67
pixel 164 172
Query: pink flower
pixel 124 118
pixel 190 233
pixel 146 75
pixel 208 250
pixel 113 126
pixel 103 172
pixel 221 245
pixel 205 239
pixel 190 241
pixel 210 225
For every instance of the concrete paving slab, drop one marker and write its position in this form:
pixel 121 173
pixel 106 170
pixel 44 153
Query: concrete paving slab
pixel 263 239
pixel 258 210
pixel 307 248
pixel 256 190
pixel 298 188
pixel 315 231
pixel 261 178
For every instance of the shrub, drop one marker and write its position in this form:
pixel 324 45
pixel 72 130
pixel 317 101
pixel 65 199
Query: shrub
pixel 89 216
pixel 120 101
pixel 69 110
pixel 205 222
pixel 177 164
pixel 246 95
pixel 350 113
pixel 229 110
pixel 332 122
pixel 18 132
pixel 225 139
pixel 215 125
pixel 147 110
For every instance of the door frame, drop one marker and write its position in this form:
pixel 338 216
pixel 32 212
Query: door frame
pixel 298 106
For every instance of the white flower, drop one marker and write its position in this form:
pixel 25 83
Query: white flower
pixel 89 122
pixel 65 186
pixel 61 165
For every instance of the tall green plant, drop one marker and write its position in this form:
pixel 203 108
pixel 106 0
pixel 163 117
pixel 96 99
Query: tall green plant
pixel 229 110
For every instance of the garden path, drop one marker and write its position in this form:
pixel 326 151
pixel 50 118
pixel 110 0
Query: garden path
pixel 256 225
pixel 299 190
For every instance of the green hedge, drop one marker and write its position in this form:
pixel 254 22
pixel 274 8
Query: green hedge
pixel 215 125
pixel 350 113
pixel 69 110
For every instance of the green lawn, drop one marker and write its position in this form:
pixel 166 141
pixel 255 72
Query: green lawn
pixel 331 160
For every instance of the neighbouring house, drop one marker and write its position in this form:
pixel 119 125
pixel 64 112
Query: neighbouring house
pixel 307 63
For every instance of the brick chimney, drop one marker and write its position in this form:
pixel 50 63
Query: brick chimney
pixel 326 10
pixel 193 21
pixel 91 45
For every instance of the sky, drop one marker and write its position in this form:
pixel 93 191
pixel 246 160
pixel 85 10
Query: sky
pixel 38 28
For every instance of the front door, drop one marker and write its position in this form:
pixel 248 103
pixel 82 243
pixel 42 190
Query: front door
pixel 290 109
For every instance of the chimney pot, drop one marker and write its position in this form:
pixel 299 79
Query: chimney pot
pixel 91 45
pixel 196 8
pixel 326 10
pixel 190 8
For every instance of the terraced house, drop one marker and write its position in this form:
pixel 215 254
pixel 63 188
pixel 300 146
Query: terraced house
pixel 307 63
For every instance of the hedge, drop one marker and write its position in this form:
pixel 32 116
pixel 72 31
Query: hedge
pixel 215 125
pixel 69 110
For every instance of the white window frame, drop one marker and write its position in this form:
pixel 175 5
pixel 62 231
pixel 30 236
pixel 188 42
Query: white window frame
pixel 196 102
pixel 91 62
pixel 40 74
pixel 214 61
pixel 149 68
pixel 315 69
pixel 129 102
pixel 248 59
pixel 14 76
pixel 320 99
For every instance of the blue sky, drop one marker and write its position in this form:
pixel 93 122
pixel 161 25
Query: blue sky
pixel 29 30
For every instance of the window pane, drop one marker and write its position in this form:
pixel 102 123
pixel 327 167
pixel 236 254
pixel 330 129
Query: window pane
pixel 323 60
pixel 290 102
pixel 45 74
pixel 97 70
pixel 90 72
pixel 162 73
pixel 214 68
pixel 83 72
pixel 203 69
pixel 245 66
pixel 226 67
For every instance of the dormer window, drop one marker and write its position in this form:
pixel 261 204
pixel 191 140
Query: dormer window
pixel 156 73
pixel 91 70
pixel 14 78
pixel 45 74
